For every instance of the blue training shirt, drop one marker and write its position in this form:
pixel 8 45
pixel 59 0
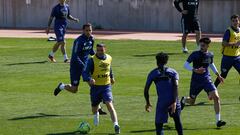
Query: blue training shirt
pixel 164 83
pixel 201 59
pixel 61 13
pixel 82 47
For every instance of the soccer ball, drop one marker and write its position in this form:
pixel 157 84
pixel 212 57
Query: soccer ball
pixel 84 128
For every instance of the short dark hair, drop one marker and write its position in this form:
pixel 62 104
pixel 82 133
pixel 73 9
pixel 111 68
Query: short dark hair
pixel 205 40
pixel 234 16
pixel 86 25
pixel 101 45
pixel 162 58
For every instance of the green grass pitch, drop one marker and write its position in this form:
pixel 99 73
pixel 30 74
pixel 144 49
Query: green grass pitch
pixel 28 107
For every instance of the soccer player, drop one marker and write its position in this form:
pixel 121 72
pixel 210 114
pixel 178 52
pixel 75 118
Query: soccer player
pixel 61 13
pixel 189 22
pixel 82 48
pixel 99 76
pixel 201 78
pixel 166 81
pixel 230 49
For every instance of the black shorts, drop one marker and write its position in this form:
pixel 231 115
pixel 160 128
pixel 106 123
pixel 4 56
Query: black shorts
pixel 190 25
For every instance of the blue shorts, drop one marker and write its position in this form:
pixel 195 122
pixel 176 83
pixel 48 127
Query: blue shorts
pixel 228 62
pixel 197 86
pixel 100 93
pixel 162 112
pixel 60 31
pixel 76 70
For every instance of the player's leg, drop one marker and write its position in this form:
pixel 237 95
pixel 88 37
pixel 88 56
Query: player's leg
pixel 190 100
pixel 63 45
pixel 161 117
pixel 198 37
pixel 112 112
pixel 54 49
pixel 95 115
pixel 59 38
pixel 69 87
pixel 198 32
pixel 213 95
pixel 159 128
pixel 236 64
pixel 75 73
pixel 184 41
pixel 107 99
pixel 184 25
pixel 226 65
pixel 96 99
pixel 101 111
pixel 195 89
pixel 178 124
pixel 76 70
pixel 177 119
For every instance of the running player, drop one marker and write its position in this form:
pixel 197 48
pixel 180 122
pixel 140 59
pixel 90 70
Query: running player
pixel 61 12
pixel 166 81
pixel 189 22
pixel 230 49
pixel 201 78
pixel 99 76
pixel 82 48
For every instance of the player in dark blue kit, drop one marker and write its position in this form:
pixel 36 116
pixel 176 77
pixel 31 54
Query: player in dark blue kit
pixel 201 78
pixel 230 48
pixel 61 13
pixel 166 81
pixel 190 22
pixel 82 48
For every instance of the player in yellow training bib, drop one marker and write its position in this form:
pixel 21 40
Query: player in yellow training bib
pixel 99 76
pixel 230 48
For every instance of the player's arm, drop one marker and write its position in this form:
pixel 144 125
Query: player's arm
pixel 49 24
pixel 215 71
pixel 188 66
pixel 112 76
pixel 175 89
pixel 50 21
pixel 92 52
pixel 77 50
pixel 70 17
pixel 177 6
pixel 175 95
pixel 148 105
pixel 88 71
pixel 226 38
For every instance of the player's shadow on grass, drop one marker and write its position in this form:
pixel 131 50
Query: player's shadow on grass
pixel 210 104
pixel 26 63
pixel 153 54
pixel 165 127
pixel 43 115
pixel 77 133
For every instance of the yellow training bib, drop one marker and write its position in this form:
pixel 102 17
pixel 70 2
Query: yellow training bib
pixel 101 73
pixel 232 50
